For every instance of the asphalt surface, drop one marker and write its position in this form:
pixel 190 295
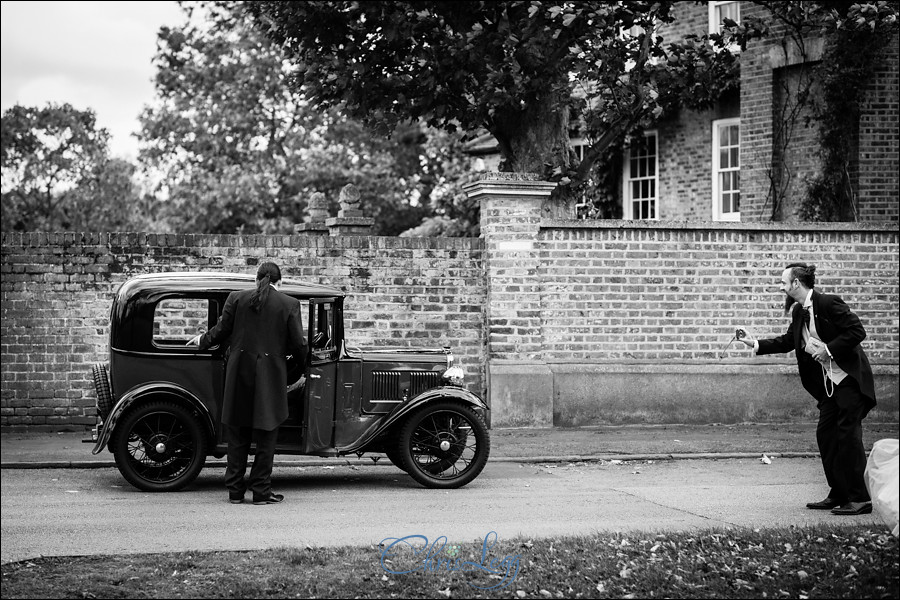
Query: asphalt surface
pixel 58 499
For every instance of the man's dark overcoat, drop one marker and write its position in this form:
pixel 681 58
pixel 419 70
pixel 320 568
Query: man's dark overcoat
pixel 256 372
pixel 842 332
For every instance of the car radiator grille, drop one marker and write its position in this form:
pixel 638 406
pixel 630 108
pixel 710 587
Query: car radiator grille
pixel 390 385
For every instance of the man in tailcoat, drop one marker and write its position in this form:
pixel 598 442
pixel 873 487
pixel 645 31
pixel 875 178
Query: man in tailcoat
pixel 826 335
pixel 263 326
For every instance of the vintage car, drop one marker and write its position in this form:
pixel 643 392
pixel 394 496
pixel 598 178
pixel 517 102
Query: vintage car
pixel 159 400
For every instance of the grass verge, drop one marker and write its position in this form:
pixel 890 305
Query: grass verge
pixel 810 562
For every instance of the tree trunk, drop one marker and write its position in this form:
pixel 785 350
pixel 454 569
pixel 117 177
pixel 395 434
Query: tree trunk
pixel 527 138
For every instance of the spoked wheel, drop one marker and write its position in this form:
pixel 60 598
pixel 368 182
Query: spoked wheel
pixel 159 447
pixel 444 445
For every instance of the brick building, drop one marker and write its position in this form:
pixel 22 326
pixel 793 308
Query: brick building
pixel 746 158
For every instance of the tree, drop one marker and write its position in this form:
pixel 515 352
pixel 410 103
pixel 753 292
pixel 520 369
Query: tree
pixel 57 174
pixel 446 169
pixel 240 151
pixel 519 69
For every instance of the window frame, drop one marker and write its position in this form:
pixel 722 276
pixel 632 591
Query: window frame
pixel 715 21
pixel 161 343
pixel 715 24
pixel 627 200
pixel 323 312
pixel 717 213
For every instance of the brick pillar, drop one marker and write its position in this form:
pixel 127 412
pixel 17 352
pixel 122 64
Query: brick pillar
pixel 519 383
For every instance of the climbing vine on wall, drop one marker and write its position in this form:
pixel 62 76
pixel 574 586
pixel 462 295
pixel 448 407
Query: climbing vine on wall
pixel 855 46
pixel 847 67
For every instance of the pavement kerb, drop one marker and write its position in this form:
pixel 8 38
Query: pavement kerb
pixel 338 461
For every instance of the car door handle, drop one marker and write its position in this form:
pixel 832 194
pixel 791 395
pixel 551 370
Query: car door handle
pixel 311 376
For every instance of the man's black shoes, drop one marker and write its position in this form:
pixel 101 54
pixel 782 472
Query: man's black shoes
pixel 826 504
pixel 270 499
pixel 853 508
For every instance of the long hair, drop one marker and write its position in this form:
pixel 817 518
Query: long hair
pixel 804 273
pixel 267 273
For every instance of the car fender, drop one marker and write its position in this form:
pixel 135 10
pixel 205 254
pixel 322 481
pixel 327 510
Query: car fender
pixel 437 394
pixel 154 388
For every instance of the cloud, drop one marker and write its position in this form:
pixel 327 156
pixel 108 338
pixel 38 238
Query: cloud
pixel 94 55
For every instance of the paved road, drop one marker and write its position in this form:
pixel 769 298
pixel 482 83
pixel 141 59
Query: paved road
pixel 54 512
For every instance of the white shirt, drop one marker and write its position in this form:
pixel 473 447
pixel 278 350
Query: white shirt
pixel 834 372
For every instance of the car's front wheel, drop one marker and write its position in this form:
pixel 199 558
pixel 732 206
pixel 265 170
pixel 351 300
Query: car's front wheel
pixel 159 447
pixel 444 445
pixel 395 456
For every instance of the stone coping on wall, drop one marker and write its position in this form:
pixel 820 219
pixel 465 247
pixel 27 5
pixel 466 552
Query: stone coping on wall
pixel 507 176
pixel 867 226
pixel 117 239
pixel 676 366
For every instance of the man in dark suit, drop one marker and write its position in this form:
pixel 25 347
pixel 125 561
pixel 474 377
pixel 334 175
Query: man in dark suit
pixel 264 326
pixel 825 335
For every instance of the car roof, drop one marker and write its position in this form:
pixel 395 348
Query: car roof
pixel 218 281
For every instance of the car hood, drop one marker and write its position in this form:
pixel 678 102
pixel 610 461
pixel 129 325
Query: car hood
pixel 402 354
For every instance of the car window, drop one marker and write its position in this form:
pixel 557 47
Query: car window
pixel 322 342
pixel 177 320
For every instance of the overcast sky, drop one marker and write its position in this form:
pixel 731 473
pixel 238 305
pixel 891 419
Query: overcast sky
pixel 90 54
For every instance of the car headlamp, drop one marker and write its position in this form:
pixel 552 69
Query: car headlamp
pixel 453 376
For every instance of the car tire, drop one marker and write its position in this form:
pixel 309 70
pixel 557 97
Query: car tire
pixel 103 390
pixel 159 446
pixel 444 445
pixel 395 455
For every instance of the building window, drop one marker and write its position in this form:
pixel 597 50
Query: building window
pixel 726 170
pixel 641 179
pixel 579 145
pixel 718 11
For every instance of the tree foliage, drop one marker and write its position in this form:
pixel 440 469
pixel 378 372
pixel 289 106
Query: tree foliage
pixel 240 150
pixel 58 176
pixel 519 69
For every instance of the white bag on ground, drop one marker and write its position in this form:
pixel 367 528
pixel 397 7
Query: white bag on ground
pixel 883 481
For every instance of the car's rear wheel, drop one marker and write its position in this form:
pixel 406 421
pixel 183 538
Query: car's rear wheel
pixel 103 389
pixel 159 447
pixel 444 445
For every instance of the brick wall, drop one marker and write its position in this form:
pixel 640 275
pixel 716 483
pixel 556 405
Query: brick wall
pixel 775 60
pixel 879 141
pixel 557 322
pixel 622 291
pixel 57 288
pixel 685 162
pixel 593 322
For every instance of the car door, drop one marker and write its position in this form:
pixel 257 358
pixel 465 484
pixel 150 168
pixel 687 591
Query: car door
pixel 177 318
pixel 324 348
